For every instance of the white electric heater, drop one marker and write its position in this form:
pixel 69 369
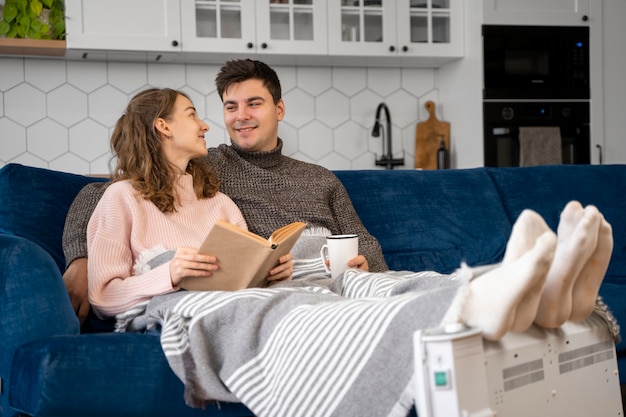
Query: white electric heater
pixel 570 371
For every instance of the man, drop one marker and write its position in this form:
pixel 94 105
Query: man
pixel 271 189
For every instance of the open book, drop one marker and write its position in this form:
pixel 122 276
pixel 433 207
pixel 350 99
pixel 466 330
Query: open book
pixel 244 258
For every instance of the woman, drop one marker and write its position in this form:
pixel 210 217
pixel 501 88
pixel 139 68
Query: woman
pixel 144 234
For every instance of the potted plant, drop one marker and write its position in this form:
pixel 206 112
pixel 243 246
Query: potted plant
pixel 32 19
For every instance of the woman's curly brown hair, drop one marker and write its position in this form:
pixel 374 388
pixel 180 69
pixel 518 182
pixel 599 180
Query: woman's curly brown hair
pixel 137 145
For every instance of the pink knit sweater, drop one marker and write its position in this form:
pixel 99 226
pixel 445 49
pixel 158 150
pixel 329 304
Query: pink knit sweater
pixel 125 228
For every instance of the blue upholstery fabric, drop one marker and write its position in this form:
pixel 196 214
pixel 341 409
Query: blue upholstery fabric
pixel 34 204
pixel 547 190
pixel 33 303
pixel 100 373
pixel 431 220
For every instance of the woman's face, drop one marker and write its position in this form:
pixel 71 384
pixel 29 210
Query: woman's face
pixel 185 140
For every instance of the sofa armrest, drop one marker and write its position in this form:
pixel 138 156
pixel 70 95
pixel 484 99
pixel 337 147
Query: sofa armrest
pixel 33 301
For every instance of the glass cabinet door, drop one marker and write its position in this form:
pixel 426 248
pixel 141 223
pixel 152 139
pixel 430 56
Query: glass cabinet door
pixel 430 27
pixel 291 27
pixel 362 27
pixel 218 25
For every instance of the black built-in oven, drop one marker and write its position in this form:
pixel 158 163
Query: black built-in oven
pixel 534 77
pixel 503 119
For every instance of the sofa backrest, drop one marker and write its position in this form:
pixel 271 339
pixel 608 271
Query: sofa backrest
pixel 34 203
pixel 547 189
pixel 431 220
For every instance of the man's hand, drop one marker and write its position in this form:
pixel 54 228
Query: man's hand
pixel 359 263
pixel 283 271
pixel 75 279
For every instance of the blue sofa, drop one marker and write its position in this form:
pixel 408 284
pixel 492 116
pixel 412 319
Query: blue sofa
pixel 49 366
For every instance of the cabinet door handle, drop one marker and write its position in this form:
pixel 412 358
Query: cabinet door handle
pixel 599 153
pixel 264 45
pixel 174 43
pixel 585 18
pixel 405 48
pixel 392 48
pixel 250 45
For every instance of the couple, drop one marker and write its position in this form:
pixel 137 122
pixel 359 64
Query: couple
pixel 143 235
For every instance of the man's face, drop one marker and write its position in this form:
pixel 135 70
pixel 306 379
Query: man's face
pixel 251 117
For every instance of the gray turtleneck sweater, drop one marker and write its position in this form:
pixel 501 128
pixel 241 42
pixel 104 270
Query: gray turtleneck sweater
pixel 271 191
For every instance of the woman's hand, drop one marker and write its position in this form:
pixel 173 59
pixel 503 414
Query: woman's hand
pixel 187 262
pixel 359 263
pixel 283 271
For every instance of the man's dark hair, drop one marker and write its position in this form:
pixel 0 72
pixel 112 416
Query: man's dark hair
pixel 240 70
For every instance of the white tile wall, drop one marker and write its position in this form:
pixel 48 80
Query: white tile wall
pixel 59 114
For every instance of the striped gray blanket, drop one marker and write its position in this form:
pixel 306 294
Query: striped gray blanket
pixel 308 347
pixel 302 349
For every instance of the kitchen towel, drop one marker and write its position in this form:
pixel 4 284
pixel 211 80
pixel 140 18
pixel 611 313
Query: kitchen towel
pixel 540 146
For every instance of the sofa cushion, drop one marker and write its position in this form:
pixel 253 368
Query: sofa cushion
pixel 34 203
pixel 438 218
pixel 547 189
pixel 104 375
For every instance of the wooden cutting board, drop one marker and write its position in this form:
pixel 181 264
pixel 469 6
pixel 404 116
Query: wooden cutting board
pixel 428 136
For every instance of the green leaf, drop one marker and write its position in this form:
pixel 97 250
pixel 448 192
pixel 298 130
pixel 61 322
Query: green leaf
pixel 36 25
pixel 32 34
pixel 36 6
pixel 48 3
pixel 25 22
pixel 59 30
pixel 22 5
pixel 9 13
pixel 12 33
pixel 4 28
pixel 55 15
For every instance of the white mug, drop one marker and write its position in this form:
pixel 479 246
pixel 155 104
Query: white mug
pixel 339 249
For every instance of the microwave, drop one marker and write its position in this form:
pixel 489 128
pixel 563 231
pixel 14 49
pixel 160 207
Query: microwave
pixel 535 62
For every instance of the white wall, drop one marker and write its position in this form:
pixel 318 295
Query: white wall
pixel 614 81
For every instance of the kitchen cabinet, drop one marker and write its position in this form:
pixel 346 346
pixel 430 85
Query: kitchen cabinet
pixel 141 28
pixel 426 33
pixel 536 12
pixel 261 27
pixel 402 28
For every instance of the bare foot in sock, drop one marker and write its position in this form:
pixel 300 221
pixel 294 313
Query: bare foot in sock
pixel 526 230
pixel 577 240
pixel 494 302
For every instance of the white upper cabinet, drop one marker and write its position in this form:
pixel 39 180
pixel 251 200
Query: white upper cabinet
pixel 248 26
pixel 140 27
pixel 402 28
pixel 322 32
pixel 537 12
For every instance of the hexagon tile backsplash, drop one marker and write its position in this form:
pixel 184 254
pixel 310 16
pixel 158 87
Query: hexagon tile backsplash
pixel 59 114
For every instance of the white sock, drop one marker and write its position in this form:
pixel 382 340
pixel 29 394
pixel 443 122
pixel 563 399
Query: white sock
pixel 577 240
pixel 494 302
pixel 528 227
pixel 587 285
